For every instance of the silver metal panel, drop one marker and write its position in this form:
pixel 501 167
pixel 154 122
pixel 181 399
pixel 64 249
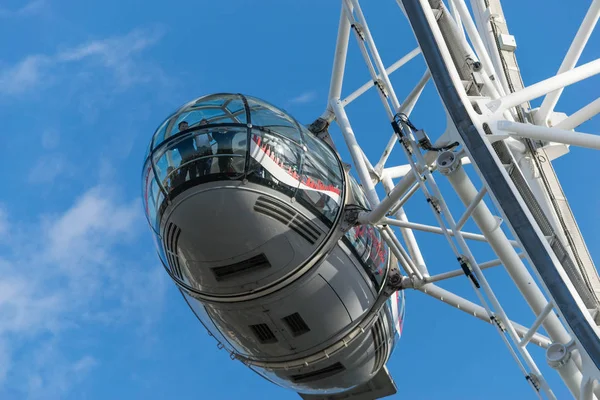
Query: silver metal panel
pixel 220 227
pixel 352 286
pixel 315 301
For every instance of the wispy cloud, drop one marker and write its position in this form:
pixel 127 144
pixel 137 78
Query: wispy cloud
pixel 68 272
pixel 48 168
pixel 33 7
pixel 303 98
pixel 116 54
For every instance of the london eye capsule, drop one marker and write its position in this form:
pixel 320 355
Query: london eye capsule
pixel 246 208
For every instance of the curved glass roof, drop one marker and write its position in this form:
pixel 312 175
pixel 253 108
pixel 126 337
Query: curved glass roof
pixel 230 109
pixel 233 136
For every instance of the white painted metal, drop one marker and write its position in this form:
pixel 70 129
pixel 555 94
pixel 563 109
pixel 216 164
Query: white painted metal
pixel 550 134
pixel 546 86
pixel 368 85
pixel 578 371
pixel 571 58
pixel 580 116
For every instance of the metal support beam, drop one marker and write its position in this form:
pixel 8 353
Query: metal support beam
pixel 550 134
pixel 546 86
pixel 570 60
pixel 476 311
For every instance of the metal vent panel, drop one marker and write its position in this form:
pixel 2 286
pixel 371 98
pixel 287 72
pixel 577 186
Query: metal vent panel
pixel 249 265
pixel 288 216
pixel 263 333
pixel 171 244
pixel 296 324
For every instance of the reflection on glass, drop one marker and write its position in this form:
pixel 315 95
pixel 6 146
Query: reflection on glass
pixel 366 242
pixel 200 311
pixel 196 154
pixel 321 179
pixel 309 173
pixel 215 109
pixel 273 119
pixel 212 138
pixel 275 161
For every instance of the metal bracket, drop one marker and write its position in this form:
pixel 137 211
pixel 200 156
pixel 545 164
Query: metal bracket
pixel 350 217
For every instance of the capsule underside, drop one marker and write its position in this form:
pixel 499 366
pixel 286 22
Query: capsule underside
pixel 245 205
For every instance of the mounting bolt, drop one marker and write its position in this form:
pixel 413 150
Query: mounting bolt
pixel 557 355
pixel 447 162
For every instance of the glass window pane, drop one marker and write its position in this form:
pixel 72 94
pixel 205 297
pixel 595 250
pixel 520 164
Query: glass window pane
pixel 368 247
pixel 322 183
pixel 199 153
pixel 268 116
pixel 274 162
pixel 215 109
pixel 148 196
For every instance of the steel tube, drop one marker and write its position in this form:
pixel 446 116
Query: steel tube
pixel 550 134
pixel 580 116
pixel 546 86
pixel 570 60
pixel 476 310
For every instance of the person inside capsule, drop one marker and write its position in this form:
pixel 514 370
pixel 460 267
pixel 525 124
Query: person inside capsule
pixel 187 152
pixel 204 151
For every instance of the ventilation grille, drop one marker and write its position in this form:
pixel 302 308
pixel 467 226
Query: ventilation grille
pixel 171 242
pixel 288 216
pixel 319 374
pixel 296 324
pixel 263 333
pixel 251 264
pixel 380 344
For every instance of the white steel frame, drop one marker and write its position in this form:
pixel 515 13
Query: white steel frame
pixel 497 110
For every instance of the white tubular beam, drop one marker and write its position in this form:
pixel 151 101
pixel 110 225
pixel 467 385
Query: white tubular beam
pixel 480 50
pixel 378 212
pixel 456 16
pixel 354 95
pixel 470 209
pixel 476 311
pixel 339 59
pixel 398 171
pixel 406 108
pixel 407 234
pixel 580 116
pixel 438 230
pixel 499 242
pixel 546 86
pixel 460 272
pixel 487 33
pixel 516 269
pixel 355 151
pixel 398 206
pixel 400 254
pixel 376 58
pixel 396 243
pixel 550 134
pixel 570 60
pixel 536 324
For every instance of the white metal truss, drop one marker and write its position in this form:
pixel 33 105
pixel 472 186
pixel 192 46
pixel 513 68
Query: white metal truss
pixel 491 127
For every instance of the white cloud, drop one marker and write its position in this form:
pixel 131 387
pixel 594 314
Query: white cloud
pixel 23 76
pixel 117 54
pixel 303 98
pixel 31 8
pixel 66 274
pixel 48 168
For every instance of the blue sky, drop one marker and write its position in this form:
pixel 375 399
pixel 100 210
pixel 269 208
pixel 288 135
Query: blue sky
pixel 86 312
